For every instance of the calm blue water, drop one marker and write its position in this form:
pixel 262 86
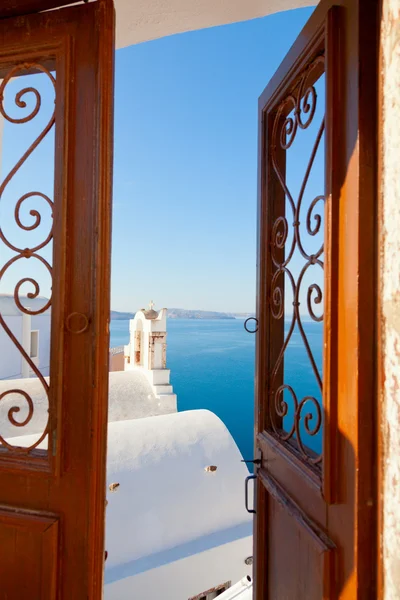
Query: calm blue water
pixel 212 366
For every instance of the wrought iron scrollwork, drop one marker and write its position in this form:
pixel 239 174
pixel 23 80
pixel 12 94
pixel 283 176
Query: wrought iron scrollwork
pixel 296 113
pixel 26 252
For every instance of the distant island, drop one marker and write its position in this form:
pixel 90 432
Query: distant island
pixel 183 313
pixel 121 316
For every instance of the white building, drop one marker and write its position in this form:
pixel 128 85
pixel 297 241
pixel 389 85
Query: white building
pixel 147 350
pixel 176 523
pixel 31 331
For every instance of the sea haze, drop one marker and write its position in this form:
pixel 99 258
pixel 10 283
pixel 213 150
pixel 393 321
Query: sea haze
pixel 212 366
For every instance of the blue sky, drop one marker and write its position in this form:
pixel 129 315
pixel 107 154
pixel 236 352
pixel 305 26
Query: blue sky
pixel 186 163
pixel 185 171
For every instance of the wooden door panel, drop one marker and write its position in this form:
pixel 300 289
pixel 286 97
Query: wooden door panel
pixel 310 540
pixel 283 466
pixel 53 498
pixel 302 559
pixel 30 567
pixel 296 567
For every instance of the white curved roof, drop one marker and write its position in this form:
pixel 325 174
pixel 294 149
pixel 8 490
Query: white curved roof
pixel 130 397
pixel 167 505
pixel 142 20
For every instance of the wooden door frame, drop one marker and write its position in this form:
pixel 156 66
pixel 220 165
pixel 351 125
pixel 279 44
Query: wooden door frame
pixel 15 8
pixel 104 148
pixel 356 353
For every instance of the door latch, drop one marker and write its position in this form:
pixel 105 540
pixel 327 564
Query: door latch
pixel 255 461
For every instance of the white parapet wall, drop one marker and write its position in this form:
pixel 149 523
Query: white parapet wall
pixel 389 293
pixel 32 331
pixel 130 396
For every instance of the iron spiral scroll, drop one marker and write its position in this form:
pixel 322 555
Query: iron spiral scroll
pixel 294 114
pixel 27 252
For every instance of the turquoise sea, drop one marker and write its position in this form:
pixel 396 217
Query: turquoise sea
pixel 212 366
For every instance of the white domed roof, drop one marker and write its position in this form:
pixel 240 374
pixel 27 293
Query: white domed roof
pixel 169 501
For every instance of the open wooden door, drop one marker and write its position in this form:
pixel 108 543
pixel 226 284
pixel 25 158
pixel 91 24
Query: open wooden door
pixel 56 102
pixel 315 386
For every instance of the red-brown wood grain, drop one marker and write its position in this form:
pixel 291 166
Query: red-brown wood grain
pixel 68 482
pixel 13 8
pixel 341 500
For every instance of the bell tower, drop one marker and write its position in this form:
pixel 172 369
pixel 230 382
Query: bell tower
pixel 147 349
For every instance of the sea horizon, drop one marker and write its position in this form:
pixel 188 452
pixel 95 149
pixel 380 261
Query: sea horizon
pixel 212 365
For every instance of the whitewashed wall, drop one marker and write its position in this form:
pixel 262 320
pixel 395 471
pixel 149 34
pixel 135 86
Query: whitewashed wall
pixel 10 361
pixel 390 294
pixel 42 323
